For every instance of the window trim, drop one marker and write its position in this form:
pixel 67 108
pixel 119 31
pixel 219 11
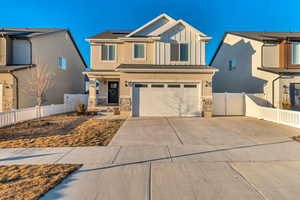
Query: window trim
pixel 292 53
pixel 60 58
pixel 108 44
pixel 230 66
pixel 179 53
pixel 132 51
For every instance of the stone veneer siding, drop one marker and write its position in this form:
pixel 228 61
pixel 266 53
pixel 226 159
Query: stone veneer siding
pixel 125 104
pixel 102 101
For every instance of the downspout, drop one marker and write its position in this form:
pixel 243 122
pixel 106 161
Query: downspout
pixel 17 89
pixel 273 96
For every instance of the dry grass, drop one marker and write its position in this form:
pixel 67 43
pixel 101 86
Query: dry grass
pixel 31 181
pixel 93 132
pixel 46 126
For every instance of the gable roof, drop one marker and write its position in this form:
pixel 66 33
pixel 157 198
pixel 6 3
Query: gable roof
pixel 151 22
pixel 266 36
pixel 172 25
pixel 28 32
pixel 258 36
pixel 111 34
pixel 127 34
pixel 38 32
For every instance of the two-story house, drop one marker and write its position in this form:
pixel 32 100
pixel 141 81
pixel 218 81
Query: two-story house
pixel 260 62
pixel 156 70
pixel 22 49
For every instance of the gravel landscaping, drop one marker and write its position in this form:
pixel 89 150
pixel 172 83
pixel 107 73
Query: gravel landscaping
pixel 67 130
pixel 18 182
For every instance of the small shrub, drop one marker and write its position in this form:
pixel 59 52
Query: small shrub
pixel 286 106
pixel 80 109
pixel 116 111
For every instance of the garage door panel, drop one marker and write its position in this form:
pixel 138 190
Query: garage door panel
pixel 166 102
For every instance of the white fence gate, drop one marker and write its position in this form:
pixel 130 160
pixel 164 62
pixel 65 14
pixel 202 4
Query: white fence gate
pixel 76 99
pixel 228 104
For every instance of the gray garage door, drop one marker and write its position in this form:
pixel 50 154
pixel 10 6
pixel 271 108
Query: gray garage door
pixel 166 99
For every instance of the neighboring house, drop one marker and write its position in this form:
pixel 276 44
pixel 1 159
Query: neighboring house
pixel 260 62
pixel 156 70
pixel 25 48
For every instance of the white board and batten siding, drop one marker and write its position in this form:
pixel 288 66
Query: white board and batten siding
pixel 180 34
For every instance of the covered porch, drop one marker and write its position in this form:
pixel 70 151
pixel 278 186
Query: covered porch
pixel 104 89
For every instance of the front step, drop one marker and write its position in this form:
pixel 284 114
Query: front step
pixel 104 110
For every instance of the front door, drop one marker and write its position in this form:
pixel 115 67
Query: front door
pixel 113 92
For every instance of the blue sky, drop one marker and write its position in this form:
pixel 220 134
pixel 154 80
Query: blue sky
pixel 213 17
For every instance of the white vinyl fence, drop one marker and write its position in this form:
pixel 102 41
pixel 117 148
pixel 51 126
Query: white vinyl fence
pixel 21 115
pixel 76 99
pixel 228 104
pixel 287 117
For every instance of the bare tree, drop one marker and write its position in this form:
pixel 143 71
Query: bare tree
pixel 38 82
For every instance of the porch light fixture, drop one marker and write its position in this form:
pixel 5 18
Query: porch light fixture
pixel 207 84
pixel 128 83
pixel 285 89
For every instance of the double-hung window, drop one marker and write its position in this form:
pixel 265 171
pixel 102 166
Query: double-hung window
pixel 179 52
pixel 295 53
pixel 139 51
pixel 108 52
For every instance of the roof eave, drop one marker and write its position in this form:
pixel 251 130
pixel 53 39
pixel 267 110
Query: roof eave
pixel 170 70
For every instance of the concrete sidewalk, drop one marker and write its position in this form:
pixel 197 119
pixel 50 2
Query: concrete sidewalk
pixel 281 151
pixel 156 172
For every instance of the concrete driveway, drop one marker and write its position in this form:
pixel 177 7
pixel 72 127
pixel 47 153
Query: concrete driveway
pixel 222 131
pixel 179 159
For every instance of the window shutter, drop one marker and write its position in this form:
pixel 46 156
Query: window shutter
pixel 174 52
pixel 104 52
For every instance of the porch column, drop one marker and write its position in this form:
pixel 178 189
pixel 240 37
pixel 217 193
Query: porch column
pixel 92 93
pixel 207 100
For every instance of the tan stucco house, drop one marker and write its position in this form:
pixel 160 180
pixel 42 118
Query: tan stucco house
pixel 157 69
pixel 22 49
pixel 260 62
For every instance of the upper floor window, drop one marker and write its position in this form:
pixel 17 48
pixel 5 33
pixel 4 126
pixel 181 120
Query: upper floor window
pixel 232 64
pixel 138 51
pixel 108 52
pixel 179 52
pixel 62 63
pixel 295 53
